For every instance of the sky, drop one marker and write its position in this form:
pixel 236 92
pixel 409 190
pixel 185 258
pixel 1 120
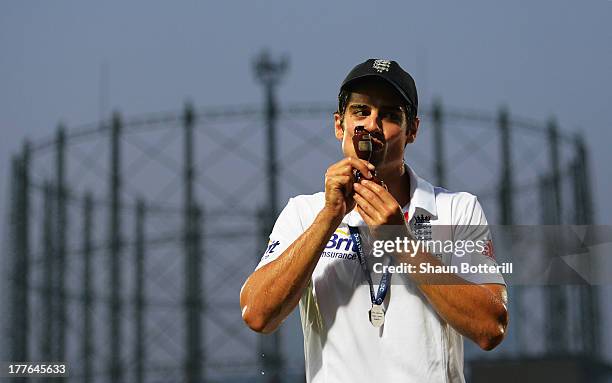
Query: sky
pixel 75 61
pixel 541 59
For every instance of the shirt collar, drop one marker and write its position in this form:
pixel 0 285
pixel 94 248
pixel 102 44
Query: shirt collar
pixel 422 194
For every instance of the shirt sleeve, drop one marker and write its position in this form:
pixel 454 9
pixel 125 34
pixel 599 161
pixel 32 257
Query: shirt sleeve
pixel 473 251
pixel 287 229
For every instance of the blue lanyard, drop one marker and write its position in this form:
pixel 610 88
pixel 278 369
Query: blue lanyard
pixel 383 287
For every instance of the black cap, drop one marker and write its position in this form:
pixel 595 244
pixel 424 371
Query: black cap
pixel 388 70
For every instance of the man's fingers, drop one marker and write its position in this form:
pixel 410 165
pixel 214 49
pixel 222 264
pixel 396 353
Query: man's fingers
pixel 372 197
pixel 381 192
pixel 339 180
pixel 364 205
pixel 367 164
pixel 340 169
pixel 378 190
pixel 347 167
pixel 378 203
pixel 362 165
pixel 366 218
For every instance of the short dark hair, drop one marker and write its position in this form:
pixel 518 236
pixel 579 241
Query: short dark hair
pixel 345 95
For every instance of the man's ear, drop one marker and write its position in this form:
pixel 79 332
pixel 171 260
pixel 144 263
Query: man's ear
pixel 338 127
pixel 412 130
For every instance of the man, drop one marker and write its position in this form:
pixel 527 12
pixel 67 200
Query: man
pixel 354 332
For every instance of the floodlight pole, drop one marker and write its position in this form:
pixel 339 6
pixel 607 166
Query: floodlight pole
pixel 194 361
pixel 557 343
pixel 115 245
pixel 269 73
pixel 438 140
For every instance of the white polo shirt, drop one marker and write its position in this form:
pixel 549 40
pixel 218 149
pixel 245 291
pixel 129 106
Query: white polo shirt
pixel 414 344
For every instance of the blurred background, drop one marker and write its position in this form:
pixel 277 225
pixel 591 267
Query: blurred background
pixel 146 149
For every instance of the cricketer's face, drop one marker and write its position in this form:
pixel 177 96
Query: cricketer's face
pixel 377 106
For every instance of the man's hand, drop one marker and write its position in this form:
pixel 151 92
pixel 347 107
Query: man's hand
pixel 339 180
pixel 376 205
pixel 476 311
pixel 270 294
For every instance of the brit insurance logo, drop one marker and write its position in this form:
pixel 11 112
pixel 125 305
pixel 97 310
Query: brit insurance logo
pixel 340 245
pixel 272 245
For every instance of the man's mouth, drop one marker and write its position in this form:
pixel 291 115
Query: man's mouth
pixel 378 143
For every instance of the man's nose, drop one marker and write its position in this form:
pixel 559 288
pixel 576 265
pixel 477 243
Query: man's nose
pixel 374 122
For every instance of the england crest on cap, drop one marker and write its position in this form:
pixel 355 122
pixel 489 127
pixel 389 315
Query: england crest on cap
pixel 381 65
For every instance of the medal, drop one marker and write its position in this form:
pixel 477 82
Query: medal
pixel 377 315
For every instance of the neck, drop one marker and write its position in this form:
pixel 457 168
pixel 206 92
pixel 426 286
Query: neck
pixel 397 180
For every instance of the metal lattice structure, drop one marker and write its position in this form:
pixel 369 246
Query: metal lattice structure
pixel 129 239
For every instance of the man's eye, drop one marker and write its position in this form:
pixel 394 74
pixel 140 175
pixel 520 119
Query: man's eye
pixel 393 116
pixel 361 112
